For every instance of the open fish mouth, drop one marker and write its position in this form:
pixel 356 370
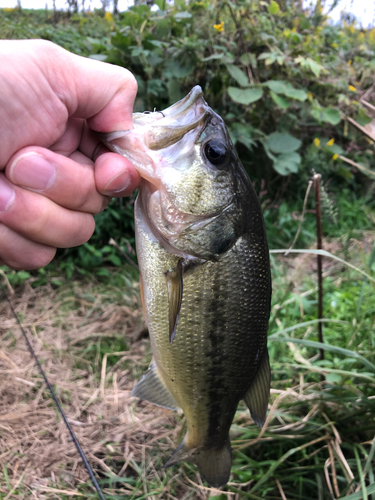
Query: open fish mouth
pixel 156 131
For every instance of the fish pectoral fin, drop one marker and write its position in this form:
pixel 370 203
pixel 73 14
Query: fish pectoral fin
pixel 175 289
pixel 214 464
pixel 258 394
pixel 151 388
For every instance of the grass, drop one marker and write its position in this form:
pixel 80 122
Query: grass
pixel 318 440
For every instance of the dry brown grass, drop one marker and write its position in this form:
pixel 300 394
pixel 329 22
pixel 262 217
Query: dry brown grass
pixel 114 429
pixel 312 429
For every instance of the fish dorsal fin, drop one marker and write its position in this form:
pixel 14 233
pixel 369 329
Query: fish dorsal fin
pixel 174 288
pixel 258 394
pixel 152 389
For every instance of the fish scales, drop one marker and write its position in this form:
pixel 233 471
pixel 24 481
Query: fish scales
pixel 205 277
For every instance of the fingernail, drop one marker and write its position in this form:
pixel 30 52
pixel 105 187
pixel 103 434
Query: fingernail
pixel 7 195
pixel 32 171
pixel 118 183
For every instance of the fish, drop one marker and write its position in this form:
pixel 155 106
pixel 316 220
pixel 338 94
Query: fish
pixel 205 277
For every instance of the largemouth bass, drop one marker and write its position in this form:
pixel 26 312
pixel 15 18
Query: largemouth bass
pixel 205 277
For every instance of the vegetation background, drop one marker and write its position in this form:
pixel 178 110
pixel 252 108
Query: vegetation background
pixel 296 93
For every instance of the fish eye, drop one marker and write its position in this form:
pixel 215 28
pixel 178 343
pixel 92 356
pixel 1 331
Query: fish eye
pixel 216 152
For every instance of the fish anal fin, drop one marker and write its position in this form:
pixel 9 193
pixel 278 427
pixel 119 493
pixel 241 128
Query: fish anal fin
pixel 258 394
pixel 174 289
pixel 214 464
pixel 151 388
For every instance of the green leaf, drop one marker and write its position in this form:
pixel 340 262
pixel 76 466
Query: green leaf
pixel 287 163
pixel 245 96
pixel 174 90
pixel 315 67
pixel 309 63
pixel 178 68
pixel 238 75
pixel 279 101
pixel 298 94
pixel 114 259
pixel 182 15
pixel 270 57
pixel 283 143
pixel 159 3
pixel 333 377
pixel 242 133
pixel 98 57
pixel 285 88
pixel 362 118
pixel 273 7
pixel 331 115
pixel 213 56
pixel 249 58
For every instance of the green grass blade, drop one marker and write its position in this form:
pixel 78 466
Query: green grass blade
pixel 370 263
pixel 360 472
pixel 369 458
pixel 308 323
pixel 359 494
pixel 321 369
pixel 327 347
pixel 325 254
pixel 372 481
pixel 282 459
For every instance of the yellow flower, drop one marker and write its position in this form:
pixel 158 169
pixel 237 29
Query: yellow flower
pixel 351 29
pixel 349 62
pixel 309 95
pixel 317 142
pixel 335 156
pixel 219 27
pixel 330 142
pixel 108 17
pixel 352 89
pixel 334 45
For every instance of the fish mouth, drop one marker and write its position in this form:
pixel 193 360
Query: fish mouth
pixel 163 128
pixel 154 132
pixel 194 97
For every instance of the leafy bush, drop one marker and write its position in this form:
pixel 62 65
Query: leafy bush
pixel 281 76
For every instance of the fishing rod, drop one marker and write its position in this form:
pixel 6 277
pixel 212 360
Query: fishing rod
pixel 73 436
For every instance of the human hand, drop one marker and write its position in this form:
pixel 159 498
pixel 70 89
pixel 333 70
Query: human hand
pixel 54 172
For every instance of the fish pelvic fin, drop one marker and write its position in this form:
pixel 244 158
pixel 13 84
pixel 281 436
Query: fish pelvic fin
pixel 258 394
pixel 151 388
pixel 214 464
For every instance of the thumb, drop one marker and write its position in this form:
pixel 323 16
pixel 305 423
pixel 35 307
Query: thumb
pixel 102 93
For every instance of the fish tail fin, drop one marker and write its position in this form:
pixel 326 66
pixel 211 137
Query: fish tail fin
pixel 214 464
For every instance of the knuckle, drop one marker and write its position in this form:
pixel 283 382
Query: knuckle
pixel 88 230
pixel 84 229
pixel 131 81
pixel 106 200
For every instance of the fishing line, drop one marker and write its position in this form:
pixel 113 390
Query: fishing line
pixel 73 436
